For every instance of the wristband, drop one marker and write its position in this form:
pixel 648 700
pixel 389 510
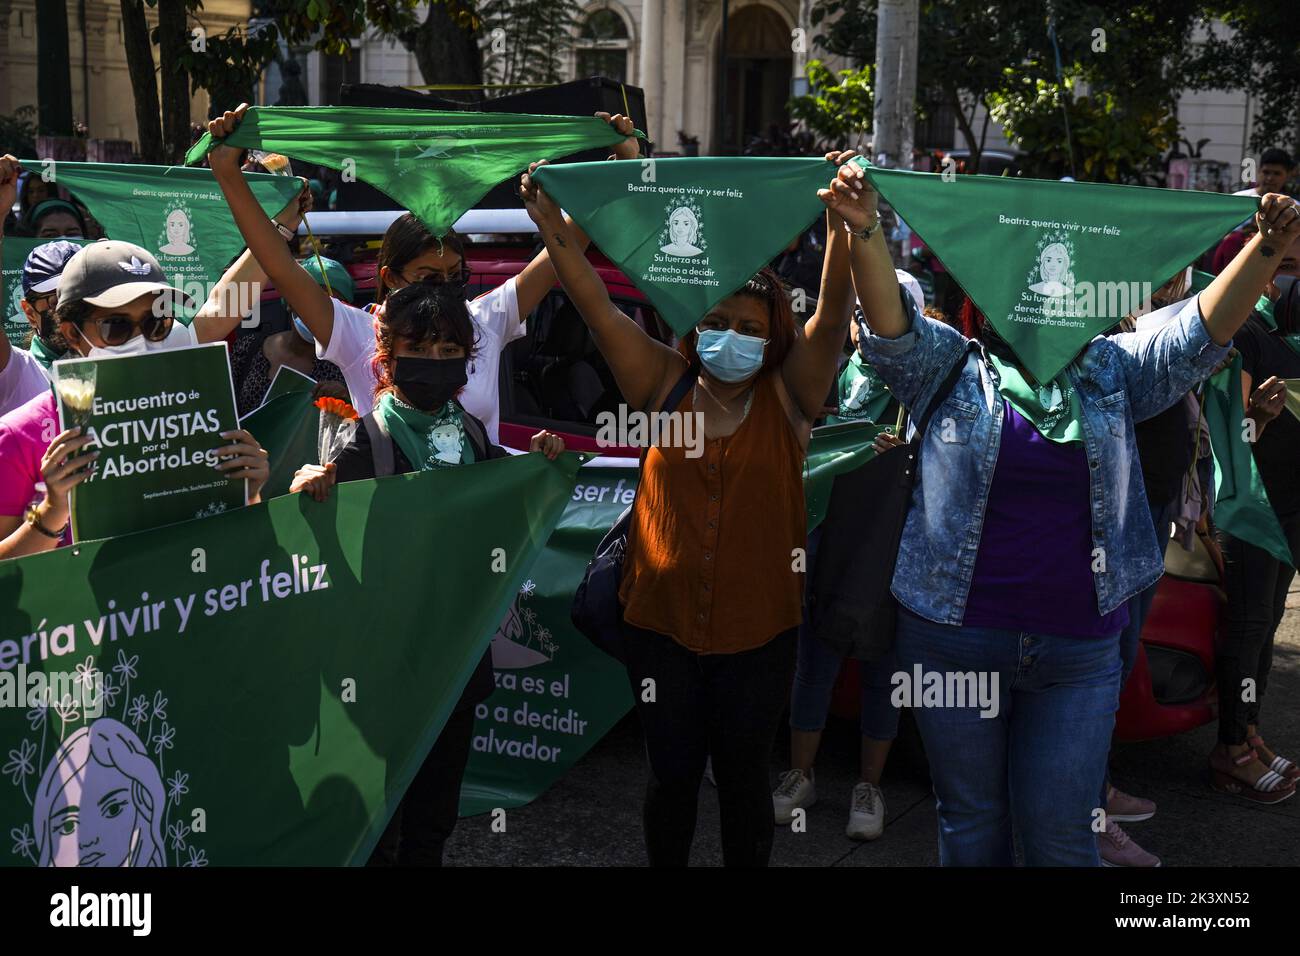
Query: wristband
pixel 285 232
pixel 33 518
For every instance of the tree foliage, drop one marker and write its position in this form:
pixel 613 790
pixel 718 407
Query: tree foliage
pixel 838 105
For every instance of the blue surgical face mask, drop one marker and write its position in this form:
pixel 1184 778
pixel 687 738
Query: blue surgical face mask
pixel 301 327
pixel 729 356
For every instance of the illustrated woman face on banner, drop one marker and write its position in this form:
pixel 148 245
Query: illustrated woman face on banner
pixel 1054 269
pixel 684 230
pixel 178 234
pixel 100 801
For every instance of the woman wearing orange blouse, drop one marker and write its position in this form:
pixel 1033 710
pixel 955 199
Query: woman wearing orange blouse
pixel 712 582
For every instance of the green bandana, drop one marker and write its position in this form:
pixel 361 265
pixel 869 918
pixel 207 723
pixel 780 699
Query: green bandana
pixel 177 214
pixel 689 232
pixel 1264 309
pixel 1071 260
pixel 1054 409
pixel 428 440
pixel 436 164
pixel 864 396
pixel 1241 505
pixel 43 353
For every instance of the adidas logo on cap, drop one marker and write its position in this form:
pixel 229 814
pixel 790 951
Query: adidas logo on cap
pixel 135 267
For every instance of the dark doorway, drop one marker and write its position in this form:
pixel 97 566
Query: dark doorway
pixel 759 64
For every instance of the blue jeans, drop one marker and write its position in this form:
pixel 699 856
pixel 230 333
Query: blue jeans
pixel 816 668
pixel 1037 762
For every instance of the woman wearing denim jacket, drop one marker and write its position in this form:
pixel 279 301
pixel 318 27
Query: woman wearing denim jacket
pixel 1028 532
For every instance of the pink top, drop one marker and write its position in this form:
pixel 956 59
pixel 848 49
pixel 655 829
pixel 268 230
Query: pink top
pixel 25 434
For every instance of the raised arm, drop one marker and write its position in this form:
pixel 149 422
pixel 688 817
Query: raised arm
pixel 538 277
pixel 1227 302
pixel 874 279
pixel 266 244
pixel 814 359
pixel 639 363
pixel 240 286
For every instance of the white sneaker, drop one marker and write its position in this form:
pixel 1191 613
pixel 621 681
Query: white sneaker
pixel 866 813
pixel 794 792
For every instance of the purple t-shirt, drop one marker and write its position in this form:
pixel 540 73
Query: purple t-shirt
pixel 1033 571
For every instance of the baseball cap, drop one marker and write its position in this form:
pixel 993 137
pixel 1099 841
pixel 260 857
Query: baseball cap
pixel 110 273
pixel 45 264
pixel 340 281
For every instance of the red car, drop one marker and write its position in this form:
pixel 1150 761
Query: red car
pixel 555 378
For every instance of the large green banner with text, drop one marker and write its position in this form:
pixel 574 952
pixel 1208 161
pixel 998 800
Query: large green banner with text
pixel 259 687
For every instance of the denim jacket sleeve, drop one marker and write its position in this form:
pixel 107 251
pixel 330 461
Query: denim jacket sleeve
pixel 915 364
pixel 1161 365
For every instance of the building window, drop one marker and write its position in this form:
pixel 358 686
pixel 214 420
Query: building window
pixel 602 46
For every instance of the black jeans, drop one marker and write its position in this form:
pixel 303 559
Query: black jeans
pixel 1257 584
pixel 428 812
pixel 725 705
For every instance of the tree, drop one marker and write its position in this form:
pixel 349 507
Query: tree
pixel 528 40
pixel 1125 57
pixel 445 45
pixel 837 106
pixel 144 88
pixel 1258 54
pixel 53 75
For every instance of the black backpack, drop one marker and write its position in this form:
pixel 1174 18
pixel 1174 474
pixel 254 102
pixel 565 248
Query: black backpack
pixel 596 611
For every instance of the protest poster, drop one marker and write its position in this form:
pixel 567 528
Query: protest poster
pixel 156 420
pixel 257 688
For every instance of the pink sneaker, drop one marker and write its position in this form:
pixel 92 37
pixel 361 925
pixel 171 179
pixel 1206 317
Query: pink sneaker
pixel 1118 849
pixel 1126 808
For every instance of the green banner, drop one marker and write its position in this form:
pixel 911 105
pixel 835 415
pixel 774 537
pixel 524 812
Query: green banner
pixel 436 164
pixel 1071 259
pixel 689 232
pixel 13 253
pixel 1241 505
pixel 557 695
pixel 288 380
pixel 257 688
pixel 157 420
pixel 287 427
pixel 178 214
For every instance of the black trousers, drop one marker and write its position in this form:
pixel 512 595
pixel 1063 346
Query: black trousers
pixel 1257 585
pixel 427 814
pixel 728 706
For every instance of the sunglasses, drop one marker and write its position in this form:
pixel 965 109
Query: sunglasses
pixel 118 330
pixel 42 302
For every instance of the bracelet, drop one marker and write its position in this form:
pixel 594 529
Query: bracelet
pixel 864 234
pixel 33 518
pixel 285 232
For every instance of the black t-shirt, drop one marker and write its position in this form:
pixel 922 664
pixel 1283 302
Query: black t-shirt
pixel 356 463
pixel 1277 451
pixel 1165 449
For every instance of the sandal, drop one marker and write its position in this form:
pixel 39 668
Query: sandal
pixel 1280 765
pixel 1271 787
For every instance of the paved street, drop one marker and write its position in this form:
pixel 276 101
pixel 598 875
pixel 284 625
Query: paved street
pixel 592 817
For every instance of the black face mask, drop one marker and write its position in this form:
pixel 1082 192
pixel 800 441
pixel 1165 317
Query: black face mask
pixel 428 384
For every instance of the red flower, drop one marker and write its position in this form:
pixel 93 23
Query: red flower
pixel 338 407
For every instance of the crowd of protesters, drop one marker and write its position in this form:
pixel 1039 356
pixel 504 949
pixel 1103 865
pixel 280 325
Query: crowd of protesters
pixel 994 574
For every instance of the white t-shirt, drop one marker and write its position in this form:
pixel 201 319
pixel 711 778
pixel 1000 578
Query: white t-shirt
pixel 21 380
pixel 495 316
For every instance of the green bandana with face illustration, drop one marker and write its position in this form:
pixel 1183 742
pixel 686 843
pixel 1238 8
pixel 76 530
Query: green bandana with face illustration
pixel 1051 264
pixel 437 164
pixel 864 396
pixel 429 440
pixel 1054 408
pixel 178 214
